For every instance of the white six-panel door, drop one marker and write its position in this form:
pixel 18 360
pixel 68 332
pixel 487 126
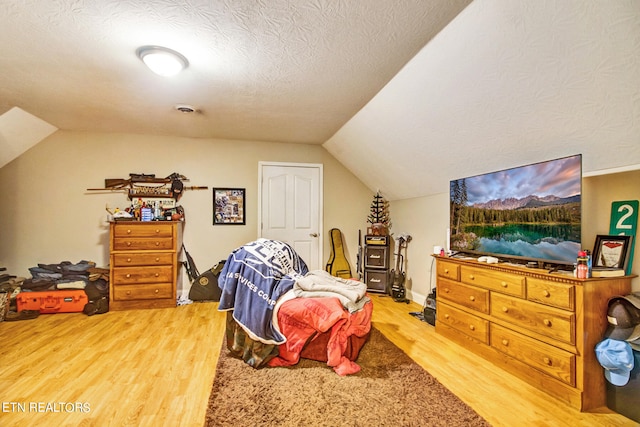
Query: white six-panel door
pixel 291 207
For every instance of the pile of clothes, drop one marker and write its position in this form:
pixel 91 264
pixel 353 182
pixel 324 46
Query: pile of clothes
pixel 65 275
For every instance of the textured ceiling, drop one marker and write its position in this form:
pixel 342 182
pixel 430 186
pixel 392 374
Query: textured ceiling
pixel 506 83
pixel 270 70
pixel 407 94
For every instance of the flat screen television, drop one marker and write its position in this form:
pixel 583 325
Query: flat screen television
pixel 523 214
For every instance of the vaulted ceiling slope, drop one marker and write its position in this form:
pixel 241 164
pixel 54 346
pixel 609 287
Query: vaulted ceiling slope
pixel 506 83
pixel 276 70
pixel 407 94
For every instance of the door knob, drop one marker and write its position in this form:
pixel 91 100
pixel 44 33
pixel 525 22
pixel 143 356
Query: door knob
pixel 313 234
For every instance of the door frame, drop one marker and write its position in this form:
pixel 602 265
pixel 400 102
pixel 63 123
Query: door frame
pixel 319 166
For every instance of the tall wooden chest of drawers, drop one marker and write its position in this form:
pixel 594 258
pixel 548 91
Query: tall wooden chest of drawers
pixel 541 327
pixel 144 264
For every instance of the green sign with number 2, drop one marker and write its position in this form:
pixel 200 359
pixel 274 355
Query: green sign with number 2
pixel 624 221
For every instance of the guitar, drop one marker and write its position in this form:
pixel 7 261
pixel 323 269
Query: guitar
pixel 359 258
pixel 338 265
pixel 398 291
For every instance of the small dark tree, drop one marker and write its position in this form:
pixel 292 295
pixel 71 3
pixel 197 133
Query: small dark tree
pixel 379 212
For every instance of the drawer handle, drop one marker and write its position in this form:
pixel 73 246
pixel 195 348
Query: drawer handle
pixel 157 274
pixel 128 231
pixel 546 322
pixel 446 316
pixel 157 231
pixel 473 328
pixel 547 361
pixel 471 277
pixel 157 259
pixel 157 243
pixel 127 275
pixel 505 342
pixel 505 309
pixel 128 292
pixel 446 290
pixel 546 293
pixel 446 271
pixel 128 259
pixel 504 284
pixel 128 243
pixel 156 291
pixel 374 256
pixel 472 298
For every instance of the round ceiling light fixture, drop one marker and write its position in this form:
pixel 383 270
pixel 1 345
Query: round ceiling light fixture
pixel 161 60
pixel 185 108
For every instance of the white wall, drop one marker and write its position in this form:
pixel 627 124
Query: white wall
pixel 506 83
pixel 426 220
pixel 47 216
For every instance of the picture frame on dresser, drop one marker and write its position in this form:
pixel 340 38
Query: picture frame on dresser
pixel 611 251
pixel 229 206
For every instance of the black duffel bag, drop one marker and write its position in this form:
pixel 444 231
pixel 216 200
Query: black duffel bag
pixel 205 286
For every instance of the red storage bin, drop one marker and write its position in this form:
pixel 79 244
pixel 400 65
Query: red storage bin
pixel 49 302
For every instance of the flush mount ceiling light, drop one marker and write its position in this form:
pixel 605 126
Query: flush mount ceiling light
pixel 161 60
pixel 184 108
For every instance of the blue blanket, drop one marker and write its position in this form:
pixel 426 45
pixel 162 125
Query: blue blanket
pixel 253 278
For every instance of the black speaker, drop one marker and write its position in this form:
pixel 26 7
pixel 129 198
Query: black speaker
pixel 430 316
pixel 376 280
pixel 430 308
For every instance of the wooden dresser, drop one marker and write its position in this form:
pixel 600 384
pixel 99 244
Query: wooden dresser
pixel 144 264
pixel 540 327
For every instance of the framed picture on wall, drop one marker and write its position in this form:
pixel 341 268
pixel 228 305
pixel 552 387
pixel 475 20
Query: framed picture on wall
pixel 611 251
pixel 229 206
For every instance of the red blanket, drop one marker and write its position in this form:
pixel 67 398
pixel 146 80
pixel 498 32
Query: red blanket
pixel 303 319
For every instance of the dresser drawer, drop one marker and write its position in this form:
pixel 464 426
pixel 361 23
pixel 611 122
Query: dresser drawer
pixel 499 281
pixel 131 275
pixel 464 322
pixel 448 270
pixel 468 296
pixel 552 361
pixel 547 321
pixel 551 293
pixel 142 292
pixel 142 259
pixel 142 244
pixel 143 230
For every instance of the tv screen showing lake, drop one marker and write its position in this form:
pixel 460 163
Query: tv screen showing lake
pixel 547 242
pixel 531 212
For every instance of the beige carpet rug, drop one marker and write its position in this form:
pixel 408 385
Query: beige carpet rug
pixel 390 390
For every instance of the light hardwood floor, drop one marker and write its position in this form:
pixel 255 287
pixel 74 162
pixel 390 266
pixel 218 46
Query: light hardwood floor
pixel 156 368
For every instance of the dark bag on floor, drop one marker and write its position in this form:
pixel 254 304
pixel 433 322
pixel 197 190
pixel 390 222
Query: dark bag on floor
pixel 205 286
pixel 98 295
